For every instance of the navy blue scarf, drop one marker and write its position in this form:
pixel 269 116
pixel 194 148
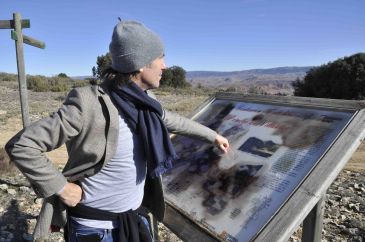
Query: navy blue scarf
pixel 144 116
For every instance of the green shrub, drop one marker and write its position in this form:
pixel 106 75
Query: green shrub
pixel 342 79
pixel 37 83
pixel 5 77
pixel 80 83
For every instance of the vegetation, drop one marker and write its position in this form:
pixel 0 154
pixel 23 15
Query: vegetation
pixel 341 79
pixel 174 76
pixel 6 77
pixel 102 62
pixel 38 83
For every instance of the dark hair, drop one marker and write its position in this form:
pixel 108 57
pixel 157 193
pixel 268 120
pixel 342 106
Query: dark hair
pixel 114 79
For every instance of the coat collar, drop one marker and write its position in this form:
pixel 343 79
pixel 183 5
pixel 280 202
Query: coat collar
pixel 113 131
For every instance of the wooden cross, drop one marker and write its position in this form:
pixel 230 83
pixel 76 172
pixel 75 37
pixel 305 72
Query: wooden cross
pixel 16 34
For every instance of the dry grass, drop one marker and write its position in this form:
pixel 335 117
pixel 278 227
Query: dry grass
pixel 6 166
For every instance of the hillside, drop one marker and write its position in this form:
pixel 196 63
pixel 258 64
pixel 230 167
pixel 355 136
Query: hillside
pixel 271 81
pixel 258 81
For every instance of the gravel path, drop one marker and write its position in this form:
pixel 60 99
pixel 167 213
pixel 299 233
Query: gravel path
pixel 344 218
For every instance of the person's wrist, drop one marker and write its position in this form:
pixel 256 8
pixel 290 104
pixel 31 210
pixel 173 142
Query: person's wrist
pixel 61 191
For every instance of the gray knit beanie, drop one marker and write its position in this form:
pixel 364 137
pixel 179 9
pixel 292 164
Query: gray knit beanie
pixel 133 46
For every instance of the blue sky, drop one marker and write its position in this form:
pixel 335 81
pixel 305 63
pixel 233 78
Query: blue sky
pixel 198 34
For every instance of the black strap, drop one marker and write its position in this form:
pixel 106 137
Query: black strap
pixel 131 227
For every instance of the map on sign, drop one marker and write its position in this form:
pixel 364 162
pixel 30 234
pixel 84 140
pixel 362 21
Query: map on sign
pixel 273 148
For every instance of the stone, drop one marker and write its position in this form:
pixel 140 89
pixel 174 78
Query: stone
pixel 3 187
pixel 38 201
pixel 357 238
pixel 353 231
pixel 326 221
pixel 333 203
pixel 345 200
pixel 355 223
pixel 342 217
pixel 344 210
pixel 24 189
pixel 354 206
pixel 342 227
pixel 347 193
pixel 336 197
pixel 11 191
pixel 31 225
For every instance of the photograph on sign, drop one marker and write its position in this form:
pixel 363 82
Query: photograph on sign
pixel 272 149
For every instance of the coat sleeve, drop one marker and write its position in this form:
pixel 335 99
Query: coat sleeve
pixel 180 125
pixel 27 148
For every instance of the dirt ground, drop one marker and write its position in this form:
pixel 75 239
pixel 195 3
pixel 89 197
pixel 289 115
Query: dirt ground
pixel 357 161
pixel 10 126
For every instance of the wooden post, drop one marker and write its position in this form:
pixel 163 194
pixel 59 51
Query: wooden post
pixel 313 223
pixel 21 69
pixel 17 24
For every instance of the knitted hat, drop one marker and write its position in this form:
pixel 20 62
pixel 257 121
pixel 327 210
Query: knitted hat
pixel 133 46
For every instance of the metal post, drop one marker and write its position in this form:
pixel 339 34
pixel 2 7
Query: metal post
pixel 313 223
pixel 154 228
pixel 21 69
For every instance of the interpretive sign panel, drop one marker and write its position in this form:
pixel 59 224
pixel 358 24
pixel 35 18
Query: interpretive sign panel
pixel 273 148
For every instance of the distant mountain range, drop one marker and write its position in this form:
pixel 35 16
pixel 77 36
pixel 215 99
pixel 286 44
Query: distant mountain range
pixel 80 77
pixel 272 80
pixel 245 74
pixel 272 75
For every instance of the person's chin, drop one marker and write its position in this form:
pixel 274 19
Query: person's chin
pixel 154 86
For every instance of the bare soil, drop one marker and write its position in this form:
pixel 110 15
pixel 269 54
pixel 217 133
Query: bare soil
pixel 43 103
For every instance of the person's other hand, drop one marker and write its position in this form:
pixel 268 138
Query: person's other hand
pixel 71 194
pixel 222 143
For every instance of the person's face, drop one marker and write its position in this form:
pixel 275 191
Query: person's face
pixel 151 74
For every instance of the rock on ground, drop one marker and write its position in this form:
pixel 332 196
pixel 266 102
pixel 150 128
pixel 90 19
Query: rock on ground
pixel 344 218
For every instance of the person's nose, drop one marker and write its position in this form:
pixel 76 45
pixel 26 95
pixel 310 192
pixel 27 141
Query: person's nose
pixel 163 67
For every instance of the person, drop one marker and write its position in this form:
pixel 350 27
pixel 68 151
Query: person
pixel 118 144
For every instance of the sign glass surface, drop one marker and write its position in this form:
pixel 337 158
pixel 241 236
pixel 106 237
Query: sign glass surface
pixel 273 148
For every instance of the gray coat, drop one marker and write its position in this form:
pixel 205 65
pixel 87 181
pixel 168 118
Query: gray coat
pixel 88 123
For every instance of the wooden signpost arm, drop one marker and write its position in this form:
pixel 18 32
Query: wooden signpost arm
pixel 10 24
